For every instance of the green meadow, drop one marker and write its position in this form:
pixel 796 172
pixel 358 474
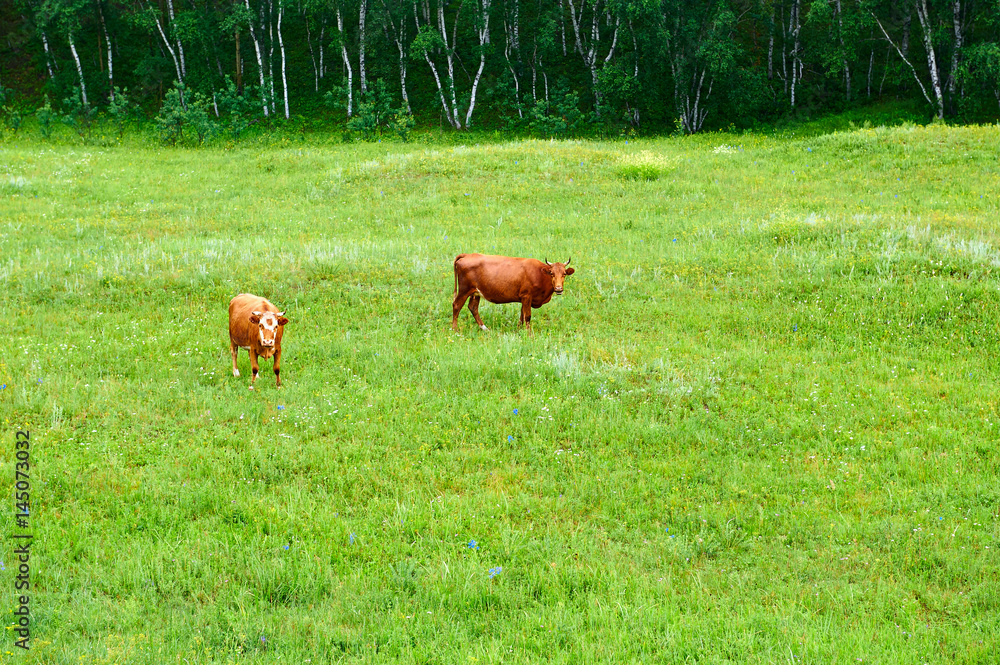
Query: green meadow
pixel 761 426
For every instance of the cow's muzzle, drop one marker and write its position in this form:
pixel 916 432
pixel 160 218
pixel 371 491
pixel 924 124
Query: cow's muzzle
pixel 559 292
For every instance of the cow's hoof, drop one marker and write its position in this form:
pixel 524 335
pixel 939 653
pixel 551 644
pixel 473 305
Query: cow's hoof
pixel 236 372
pixel 251 387
pixel 483 328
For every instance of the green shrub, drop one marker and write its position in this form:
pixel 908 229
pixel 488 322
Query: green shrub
pixel 79 114
pixel 121 110
pixel 644 165
pixel 45 115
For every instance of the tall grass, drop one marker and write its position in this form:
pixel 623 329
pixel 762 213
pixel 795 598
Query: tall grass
pixel 760 426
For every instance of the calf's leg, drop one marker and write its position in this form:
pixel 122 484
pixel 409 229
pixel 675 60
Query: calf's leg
pixel 456 306
pixel 235 350
pixel 526 314
pixel 254 366
pixel 277 367
pixel 474 308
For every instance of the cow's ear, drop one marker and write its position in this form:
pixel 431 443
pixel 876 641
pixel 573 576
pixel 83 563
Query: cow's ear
pixel 282 321
pixel 255 317
pixel 547 270
pixel 570 271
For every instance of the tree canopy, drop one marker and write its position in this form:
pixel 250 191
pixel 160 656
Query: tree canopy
pixel 547 65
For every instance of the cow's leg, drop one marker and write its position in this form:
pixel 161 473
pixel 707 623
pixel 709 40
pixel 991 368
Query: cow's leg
pixel 456 306
pixel 526 314
pixel 277 367
pixel 235 350
pixel 474 308
pixel 254 366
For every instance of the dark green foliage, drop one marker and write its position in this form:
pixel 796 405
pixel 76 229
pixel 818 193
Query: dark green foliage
pixel 45 115
pixel 559 117
pixel 198 116
pixel 11 116
pixel 172 118
pixel 649 64
pixel 402 124
pixel 236 109
pixel 374 112
pixel 375 116
pixel 79 116
pixel 121 110
pixel 184 110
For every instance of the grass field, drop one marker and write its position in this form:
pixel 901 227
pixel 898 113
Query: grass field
pixel 761 425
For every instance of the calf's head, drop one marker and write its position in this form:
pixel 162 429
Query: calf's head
pixel 558 272
pixel 267 326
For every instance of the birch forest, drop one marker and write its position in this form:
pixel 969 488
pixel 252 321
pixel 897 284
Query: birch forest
pixel 553 66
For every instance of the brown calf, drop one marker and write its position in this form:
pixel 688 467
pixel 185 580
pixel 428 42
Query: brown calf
pixel 503 279
pixel 257 326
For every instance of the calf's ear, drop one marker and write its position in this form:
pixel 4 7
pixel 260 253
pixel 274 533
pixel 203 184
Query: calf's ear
pixel 570 271
pixel 282 321
pixel 255 317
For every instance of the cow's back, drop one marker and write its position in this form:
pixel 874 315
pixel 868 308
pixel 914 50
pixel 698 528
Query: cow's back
pixel 240 309
pixel 500 279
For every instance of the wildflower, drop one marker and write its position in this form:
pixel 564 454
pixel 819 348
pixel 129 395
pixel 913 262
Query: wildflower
pixel 3 387
pixel 351 538
pixel 473 545
pixel 510 438
pixel 515 410
pixel 286 547
pixel 495 571
pixel 281 407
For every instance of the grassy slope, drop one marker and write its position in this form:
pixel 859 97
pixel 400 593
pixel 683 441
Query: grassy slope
pixel 761 425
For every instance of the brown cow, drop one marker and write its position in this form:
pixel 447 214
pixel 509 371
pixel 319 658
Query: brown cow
pixel 257 326
pixel 503 279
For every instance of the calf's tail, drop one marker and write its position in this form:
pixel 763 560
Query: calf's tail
pixel 457 259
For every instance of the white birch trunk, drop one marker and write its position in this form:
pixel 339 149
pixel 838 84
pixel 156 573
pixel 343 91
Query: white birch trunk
pixel 312 55
pixel 260 61
pixel 902 55
pixel 794 27
pixel 362 15
pixel 956 7
pixel 107 40
pixel 347 65
pixel 180 47
pixel 48 54
pixel 846 65
pixel 281 47
pixel 925 23
pixel 484 38
pixel 398 37
pixel 79 69
pixel 270 51
pixel 450 59
pixel 173 54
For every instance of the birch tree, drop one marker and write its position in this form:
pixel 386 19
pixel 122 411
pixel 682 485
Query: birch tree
pixel 65 16
pixel 588 38
pixel 700 47
pixel 395 21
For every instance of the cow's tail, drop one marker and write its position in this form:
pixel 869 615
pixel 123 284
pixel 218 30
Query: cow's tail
pixel 457 259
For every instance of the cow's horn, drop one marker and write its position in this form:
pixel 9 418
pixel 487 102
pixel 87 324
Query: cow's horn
pixel 570 259
pixel 547 262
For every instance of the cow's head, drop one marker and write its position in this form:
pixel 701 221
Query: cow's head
pixel 267 325
pixel 558 271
